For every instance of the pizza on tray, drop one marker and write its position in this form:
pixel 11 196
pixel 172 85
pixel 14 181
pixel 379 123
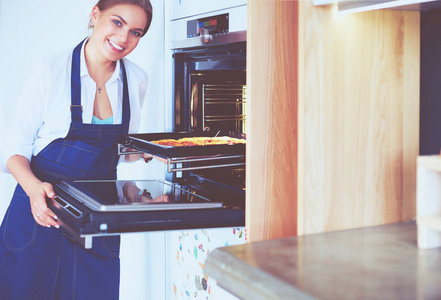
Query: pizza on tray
pixel 200 141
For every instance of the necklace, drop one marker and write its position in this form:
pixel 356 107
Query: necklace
pixel 99 89
pixel 92 75
pixel 99 86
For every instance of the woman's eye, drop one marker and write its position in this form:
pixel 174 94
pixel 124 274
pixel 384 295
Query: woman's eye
pixel 136 33
pixel 117 23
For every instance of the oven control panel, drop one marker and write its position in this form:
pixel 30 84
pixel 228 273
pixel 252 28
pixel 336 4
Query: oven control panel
pixel 223 27
pixel 214 25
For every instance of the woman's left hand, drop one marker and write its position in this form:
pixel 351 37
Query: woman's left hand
pixel 130 157
pixel 148 158
pixel 145 156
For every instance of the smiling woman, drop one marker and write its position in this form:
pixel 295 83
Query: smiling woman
pixel 116 32
pixel 103 5
pixel 117 29
pixel 57 115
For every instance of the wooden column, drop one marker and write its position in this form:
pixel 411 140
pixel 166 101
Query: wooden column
pixel 272 63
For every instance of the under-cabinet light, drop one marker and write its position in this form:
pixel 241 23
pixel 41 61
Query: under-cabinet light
pixel 378 5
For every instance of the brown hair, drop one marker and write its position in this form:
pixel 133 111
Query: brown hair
pixel 144 4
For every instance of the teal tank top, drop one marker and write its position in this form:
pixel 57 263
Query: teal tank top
pixel 108 121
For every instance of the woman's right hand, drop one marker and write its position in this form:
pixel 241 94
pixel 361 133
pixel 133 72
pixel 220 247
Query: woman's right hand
pixel 37 191
pixel 42 214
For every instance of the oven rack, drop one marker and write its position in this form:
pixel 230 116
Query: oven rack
pixel 176 164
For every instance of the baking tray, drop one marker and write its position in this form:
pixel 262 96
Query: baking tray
pixel 142 142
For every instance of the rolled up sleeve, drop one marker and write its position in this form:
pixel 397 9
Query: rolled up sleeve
pixel 27 118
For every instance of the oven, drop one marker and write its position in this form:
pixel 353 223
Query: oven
pixel 205 185
pixel 210 94
pixel 210 88
pixel 210 75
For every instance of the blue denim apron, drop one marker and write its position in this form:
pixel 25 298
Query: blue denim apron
pixel 45 263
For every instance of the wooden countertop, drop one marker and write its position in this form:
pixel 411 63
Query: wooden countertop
pixel 381 262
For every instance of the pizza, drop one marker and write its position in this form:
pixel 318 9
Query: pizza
pixel 200 141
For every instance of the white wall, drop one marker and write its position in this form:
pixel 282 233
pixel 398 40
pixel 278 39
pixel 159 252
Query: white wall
pixel 30 30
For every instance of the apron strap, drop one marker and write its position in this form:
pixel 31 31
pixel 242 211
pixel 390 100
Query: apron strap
pixel 76 109
pixel 126 102
pixel 75 90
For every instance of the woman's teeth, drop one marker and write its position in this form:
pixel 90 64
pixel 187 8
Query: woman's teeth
pixel 115 45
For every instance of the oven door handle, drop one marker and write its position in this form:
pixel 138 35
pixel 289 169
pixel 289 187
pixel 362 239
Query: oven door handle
pixel 72 210
pixel 174 161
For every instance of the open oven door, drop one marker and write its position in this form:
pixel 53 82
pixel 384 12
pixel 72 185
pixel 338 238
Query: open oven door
pixel 91 208
pixel 87 209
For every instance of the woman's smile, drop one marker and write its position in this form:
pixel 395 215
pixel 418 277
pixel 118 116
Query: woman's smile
pixel 115 47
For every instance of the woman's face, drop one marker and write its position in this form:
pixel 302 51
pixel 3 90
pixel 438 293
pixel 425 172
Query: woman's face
pixel 117 30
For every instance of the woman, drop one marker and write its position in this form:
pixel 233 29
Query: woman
pixel 75 108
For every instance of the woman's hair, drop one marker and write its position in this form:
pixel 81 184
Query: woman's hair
pixel 144 4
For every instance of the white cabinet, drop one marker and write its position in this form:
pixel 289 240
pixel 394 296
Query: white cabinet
pixel 429 201
pixel 186 8
pixel 187 251
pixel 353 6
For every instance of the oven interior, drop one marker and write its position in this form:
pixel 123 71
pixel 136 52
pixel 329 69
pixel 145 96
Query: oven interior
pixel 217 100
pixel 210 95
pixel 210 88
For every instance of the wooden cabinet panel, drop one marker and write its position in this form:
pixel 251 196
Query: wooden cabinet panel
pixel 333 131
pixel 360 85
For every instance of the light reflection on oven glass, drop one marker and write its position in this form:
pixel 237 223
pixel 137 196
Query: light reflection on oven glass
pixel 155 192
pixel 138 191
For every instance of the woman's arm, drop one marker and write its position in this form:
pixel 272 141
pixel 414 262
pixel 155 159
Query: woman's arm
pixel 37 191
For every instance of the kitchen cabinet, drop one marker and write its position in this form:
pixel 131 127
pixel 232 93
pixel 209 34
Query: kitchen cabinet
pixel 353 6
pixel 429 201
pixel 334 118
pixel 187 251
pixel 186 8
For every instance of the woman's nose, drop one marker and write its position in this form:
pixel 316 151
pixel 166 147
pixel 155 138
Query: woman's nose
pixel 123 35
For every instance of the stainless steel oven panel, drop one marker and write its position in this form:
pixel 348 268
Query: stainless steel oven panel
pixel 236 32
pixel 211 40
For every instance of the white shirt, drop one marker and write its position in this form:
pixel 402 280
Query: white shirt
pixel 43 113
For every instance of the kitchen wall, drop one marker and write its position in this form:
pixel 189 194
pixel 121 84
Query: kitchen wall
pixel 30 30
pixel 430 110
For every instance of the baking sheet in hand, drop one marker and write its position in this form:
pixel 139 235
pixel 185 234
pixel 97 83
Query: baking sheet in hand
pixel 142 142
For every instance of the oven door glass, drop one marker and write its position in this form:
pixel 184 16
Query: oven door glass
pixel 87 209
pixel 141 195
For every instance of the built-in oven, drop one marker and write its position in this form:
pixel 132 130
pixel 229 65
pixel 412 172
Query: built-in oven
pixel 206 183
pixel 210 93
pixel 210 85
pixel 210 76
